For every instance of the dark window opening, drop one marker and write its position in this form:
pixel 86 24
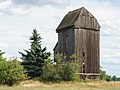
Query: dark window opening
pixel 83 54
pixel 83 70
pixel 66 44
pixel 83 66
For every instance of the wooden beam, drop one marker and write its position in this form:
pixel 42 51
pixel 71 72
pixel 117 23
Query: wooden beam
pixel 97 74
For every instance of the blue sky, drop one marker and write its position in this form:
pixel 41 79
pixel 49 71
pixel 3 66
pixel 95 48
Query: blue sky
pixel 19 17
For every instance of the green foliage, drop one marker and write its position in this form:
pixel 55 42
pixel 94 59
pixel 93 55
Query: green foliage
pixel 114 78
pixel 33 60
pixel 11 71
pixel 1 56
pixel 103 75
pixel 51 71
pixel 70 69
pixel 61 69
pixel 69 72
pixel 108 78
pixel 118 79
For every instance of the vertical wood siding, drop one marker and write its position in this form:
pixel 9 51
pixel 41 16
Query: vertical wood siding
pixel 87 41
pixel 66 41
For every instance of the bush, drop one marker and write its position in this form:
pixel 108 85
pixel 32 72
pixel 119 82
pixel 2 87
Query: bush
pixel 61 69
pixel 51 71
pixel 103 75
pixel 10 72
pixel 70 72
pixel 108 78
pixel 114 78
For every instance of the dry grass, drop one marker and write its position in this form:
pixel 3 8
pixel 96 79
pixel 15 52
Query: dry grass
pixel 89 85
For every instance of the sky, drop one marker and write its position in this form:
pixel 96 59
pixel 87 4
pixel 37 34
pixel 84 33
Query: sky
pixel 19 17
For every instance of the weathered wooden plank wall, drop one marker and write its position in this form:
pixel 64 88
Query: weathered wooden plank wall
pixel 66 41
pixel 87 42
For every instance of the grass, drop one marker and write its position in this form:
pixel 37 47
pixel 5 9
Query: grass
pixel 91 85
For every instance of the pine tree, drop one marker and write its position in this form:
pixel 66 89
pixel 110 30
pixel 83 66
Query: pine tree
pixel 33 59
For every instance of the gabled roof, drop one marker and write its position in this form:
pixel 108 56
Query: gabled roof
pixel 79 18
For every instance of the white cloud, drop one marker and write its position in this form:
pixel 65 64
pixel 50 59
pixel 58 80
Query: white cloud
pixel 21 7
pixel 117 55
pixel 106 57
pixel 4 45
pixel 32 3
pixel 7 7
pixel 18 11
pixel 5 4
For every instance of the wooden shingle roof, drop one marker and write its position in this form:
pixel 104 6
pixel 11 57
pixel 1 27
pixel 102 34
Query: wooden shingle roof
pixel 79 18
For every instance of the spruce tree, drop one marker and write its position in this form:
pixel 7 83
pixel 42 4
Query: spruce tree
pixel 33 59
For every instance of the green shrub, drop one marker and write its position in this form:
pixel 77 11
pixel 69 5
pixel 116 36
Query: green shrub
pixel 114 78
pixel 103 75
pixel 10 72
pixel 61 69
pixel 50 71
pixel 108 78
pixel 69 72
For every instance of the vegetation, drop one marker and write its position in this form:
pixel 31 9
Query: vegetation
pixel 105 77
pixel 33 59
pixel 38 64
pixel 61 70
pixel 35 85
pixel 114 78
pixel 10 71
